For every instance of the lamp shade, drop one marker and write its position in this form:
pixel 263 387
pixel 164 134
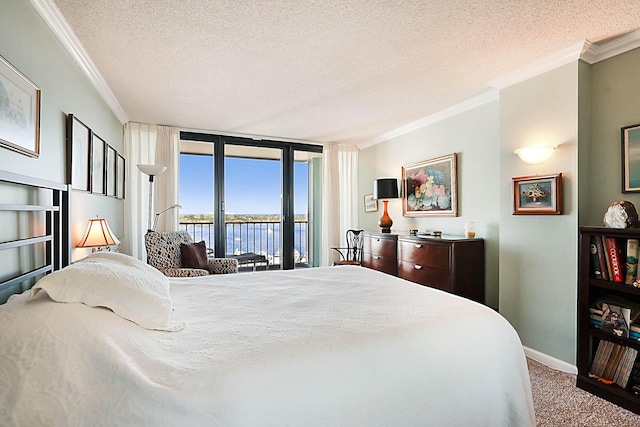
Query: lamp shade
pixel 152 170
pixel 385 188
pixel 98 234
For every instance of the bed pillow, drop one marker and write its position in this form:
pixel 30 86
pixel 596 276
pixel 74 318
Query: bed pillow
pixel 130 288
pixel 194 255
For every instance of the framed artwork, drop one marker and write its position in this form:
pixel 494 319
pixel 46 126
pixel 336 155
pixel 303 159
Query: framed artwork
pixel 370 204
pixel 78 149
pixel 111 171
pixel 19 111
pixel 537 195
pixel 429 187
pixel 631 159
pixel 98 153
pixel 120 178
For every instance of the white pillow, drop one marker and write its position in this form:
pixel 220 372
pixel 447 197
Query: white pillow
pixel 130 288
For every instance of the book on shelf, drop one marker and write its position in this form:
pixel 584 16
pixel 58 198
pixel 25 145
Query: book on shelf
pixel 595 259
pixel 631 264
pixel 613 251
pixel 616 320
pixel 615 363
pixel 605 267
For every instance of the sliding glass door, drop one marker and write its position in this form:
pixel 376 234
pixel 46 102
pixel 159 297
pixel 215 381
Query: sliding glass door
pixel 262 191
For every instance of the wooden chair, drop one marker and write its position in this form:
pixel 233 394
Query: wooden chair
pixel 352 254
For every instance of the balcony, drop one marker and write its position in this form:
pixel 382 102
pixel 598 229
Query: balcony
pixel 260 237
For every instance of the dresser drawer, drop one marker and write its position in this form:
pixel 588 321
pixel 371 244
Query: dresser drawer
pixel 428 276
pixel 381 246
pixel 377 262
pixel 425 254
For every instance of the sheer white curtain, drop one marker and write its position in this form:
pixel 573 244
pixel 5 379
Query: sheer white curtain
pixel 166 185
pixel 339 197
pixel 148 144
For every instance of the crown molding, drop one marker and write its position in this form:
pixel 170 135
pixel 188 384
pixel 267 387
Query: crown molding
pixel 52 16
pixel 549 63
pixel 593 53
pixel 476 101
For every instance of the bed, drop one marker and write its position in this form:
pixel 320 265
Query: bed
pixel 330 346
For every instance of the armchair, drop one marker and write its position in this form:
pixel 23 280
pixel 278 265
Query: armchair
pixel 164 253
pixel 352 254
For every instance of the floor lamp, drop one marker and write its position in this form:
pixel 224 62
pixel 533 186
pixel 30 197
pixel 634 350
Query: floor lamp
pixel 385 189
pixel 152 171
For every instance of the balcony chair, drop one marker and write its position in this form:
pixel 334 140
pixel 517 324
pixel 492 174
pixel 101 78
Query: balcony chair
pixel 165 252
pixel 352 254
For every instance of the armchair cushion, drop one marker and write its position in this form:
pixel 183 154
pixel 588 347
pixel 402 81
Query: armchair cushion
pixel 223 265
pixel 194 255
pixel 185 272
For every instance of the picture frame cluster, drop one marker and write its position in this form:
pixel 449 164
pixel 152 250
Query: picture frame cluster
pixel 93 165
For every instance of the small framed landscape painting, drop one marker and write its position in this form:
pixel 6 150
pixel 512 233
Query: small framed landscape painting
pixel 429 187
pixel 631 159
pixel 370 204
pixel 19 111
pixel 537 195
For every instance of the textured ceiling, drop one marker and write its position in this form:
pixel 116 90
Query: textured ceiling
pixel 324 70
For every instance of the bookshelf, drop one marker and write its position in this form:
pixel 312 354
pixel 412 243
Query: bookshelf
pixel 592 336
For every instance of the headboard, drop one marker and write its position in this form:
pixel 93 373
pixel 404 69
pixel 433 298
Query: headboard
pixel 37 240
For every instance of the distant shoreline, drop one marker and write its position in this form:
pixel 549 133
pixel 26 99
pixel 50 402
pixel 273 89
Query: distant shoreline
pixel 208 218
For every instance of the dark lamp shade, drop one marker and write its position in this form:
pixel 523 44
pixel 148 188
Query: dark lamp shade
pixel 385 188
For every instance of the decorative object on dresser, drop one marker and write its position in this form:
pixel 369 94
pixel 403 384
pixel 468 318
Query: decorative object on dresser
pixel 537 195
pixel 152 171
pixel 429 187
pixel 98 234
pixel 370 204
pixel 352 253
pixel 630 163
pixel 19 111
pixel 385 189
pixel 450 263
pixel 608 319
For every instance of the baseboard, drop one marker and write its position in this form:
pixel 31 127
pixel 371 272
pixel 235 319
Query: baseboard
pixel 550 361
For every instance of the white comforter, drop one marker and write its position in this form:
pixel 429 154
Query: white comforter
pixel 335 346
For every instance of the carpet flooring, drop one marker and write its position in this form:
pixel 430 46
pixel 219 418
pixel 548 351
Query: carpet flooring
pixel 558 402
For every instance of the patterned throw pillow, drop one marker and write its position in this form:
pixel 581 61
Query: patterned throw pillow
pixel 194 255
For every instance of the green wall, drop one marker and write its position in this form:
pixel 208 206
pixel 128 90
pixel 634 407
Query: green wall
pixel 28 44
pixel 474 136
pixel 615 91
pixel 538 253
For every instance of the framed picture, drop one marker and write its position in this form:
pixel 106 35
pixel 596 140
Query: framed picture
pixel 537 195
pixel 120 178
pixel 19 111
pixel 78 149
pixel 98 153
pixel 111 171
pixel 429 187
pixel 370 204
pixel 631 159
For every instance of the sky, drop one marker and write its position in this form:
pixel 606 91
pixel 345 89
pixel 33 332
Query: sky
pixel 252 185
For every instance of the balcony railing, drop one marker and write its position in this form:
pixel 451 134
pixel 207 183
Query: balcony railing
pixel 260 237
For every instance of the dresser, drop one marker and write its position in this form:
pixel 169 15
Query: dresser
pixel 450 263
pixel 379 252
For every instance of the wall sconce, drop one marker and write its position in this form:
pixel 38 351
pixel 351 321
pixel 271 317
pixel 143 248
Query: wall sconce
pixel 384 189
pixel 98 234
pixel 535 154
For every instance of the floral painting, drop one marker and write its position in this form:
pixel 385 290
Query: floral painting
pixel 537 195
pixel 429 187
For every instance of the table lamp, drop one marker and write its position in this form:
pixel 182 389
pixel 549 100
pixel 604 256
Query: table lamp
pixel 98 234
pixel 385 189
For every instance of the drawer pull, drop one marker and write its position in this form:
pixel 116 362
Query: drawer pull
pixel 417 267
pixel 377 257
pixel 417 245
